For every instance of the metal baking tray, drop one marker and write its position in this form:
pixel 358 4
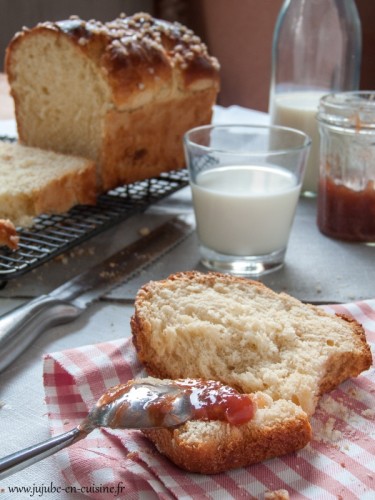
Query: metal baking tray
pixel 51 235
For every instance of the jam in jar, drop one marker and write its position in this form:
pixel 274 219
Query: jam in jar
pixel 346 196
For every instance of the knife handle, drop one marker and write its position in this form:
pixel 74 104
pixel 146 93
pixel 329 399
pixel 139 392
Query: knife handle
pixel 21 326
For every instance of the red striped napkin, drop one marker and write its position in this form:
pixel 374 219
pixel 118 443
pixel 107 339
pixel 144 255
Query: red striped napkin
pixel 338 464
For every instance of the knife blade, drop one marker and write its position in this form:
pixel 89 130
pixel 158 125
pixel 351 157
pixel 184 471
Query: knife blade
pixel 21 326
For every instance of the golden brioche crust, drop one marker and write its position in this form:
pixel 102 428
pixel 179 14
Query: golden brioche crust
pixel 234 447
pixel 127 47
pixel 348 365
pixel 74 188
pixel 151 138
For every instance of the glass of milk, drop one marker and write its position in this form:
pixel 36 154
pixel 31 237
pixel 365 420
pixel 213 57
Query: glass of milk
pixel 245 182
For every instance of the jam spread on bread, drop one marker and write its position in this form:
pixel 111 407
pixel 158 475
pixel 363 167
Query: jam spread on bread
pixel 212 400
pixel 209 400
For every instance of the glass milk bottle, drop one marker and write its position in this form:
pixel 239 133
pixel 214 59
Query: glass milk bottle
pixel 316 50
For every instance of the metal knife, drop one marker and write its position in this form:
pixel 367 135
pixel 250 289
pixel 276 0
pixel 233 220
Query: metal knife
pixel 21 326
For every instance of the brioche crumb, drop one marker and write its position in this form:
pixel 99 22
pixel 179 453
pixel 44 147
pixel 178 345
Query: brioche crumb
pixel 326 433
pixel 144 231
pixel 277 495
pixel 368 413
pixel 271 414
pixel 334 407
pixel 242 333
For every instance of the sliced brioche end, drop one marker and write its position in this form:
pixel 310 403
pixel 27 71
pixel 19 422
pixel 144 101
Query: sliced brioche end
pixel 278 428
pixel 36 181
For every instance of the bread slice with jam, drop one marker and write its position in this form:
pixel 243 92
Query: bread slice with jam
pixel 284 352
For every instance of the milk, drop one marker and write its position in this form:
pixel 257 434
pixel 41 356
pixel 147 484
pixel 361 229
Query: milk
pixel 245 210
pixel 298 110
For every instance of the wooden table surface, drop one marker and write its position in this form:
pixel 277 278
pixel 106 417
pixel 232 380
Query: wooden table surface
pixel 6 101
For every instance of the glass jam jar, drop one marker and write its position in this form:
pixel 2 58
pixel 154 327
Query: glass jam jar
pixel 346 194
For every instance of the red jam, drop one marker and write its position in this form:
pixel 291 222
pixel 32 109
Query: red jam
pixel 346 214
pixel 212 400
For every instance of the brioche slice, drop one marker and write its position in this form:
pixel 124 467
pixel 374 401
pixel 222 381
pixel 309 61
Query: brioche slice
pixel 278 428
pixel 243 334
pixel 8 234
pixel 35 181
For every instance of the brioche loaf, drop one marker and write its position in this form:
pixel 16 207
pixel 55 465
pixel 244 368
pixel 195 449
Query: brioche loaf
pixel 121 93
pixel 243 334
pixel 34 181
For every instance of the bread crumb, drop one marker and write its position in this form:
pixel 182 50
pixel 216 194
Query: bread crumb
pixel 144 231
pixel 368 413
pixel 62 258
pixel 334 407
pixel 82 41
pixel 276 495
pixel 326 433
pixel 107 275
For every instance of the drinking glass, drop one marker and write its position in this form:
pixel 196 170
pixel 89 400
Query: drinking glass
pixel 245 182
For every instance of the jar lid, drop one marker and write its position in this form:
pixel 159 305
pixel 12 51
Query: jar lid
pixel 353 110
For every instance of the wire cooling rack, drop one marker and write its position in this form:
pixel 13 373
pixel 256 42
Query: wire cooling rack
pixel 52 235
